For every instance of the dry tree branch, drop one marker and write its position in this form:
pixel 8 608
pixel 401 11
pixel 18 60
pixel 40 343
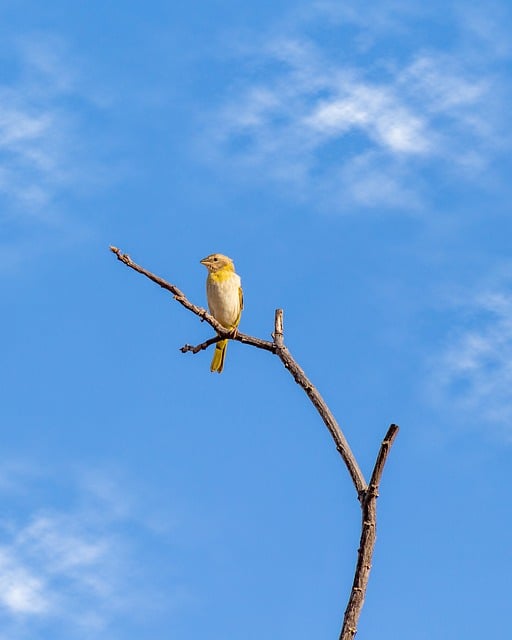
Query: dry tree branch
pixel 367 541
pixel 325 413
pixel 366 493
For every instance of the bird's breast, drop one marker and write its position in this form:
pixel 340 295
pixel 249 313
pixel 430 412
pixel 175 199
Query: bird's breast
pixel 224 298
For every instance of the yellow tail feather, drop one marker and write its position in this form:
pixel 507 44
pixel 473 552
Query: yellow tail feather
pixel 219 356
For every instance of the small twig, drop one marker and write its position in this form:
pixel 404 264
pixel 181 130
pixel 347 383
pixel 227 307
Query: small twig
pixel 200 347
pixel 239 337
pixel 278 334
pixel 382 456
pixel 367 542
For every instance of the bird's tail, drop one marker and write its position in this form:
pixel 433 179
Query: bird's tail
pixel 218 356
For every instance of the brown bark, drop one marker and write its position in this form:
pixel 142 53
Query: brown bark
pixel 367 541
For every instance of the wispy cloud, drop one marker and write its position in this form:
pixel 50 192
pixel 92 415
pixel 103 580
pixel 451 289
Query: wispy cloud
pixel 330 119
pixel 473 374
pixel 21 591
pixel 60 567
pixel 69 567
pixel 52 562
pixel 43 150
pixel 35 128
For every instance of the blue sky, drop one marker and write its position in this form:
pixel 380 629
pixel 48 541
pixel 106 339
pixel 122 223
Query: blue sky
pixel 355 164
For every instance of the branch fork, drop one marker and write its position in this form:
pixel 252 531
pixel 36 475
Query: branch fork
pixel 367 493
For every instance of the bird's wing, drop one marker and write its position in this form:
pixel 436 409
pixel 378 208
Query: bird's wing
pixel 241 306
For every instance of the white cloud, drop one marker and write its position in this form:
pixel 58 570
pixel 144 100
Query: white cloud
pixel 62 546
pixel 56 565
pixel 33 153
pixel 43 155
pixel 373 110
pixel 21 592
pixel 373 182
pixel 73 567
pixel 318 113
pixel 445 83
pixel 473 374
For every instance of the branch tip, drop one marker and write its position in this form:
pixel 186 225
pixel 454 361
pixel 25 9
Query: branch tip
pixel 278 328
pixel 384 450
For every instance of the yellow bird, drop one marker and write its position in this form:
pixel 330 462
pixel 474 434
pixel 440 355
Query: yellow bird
pixel 225 300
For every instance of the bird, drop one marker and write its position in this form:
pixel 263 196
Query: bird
pixel 225 300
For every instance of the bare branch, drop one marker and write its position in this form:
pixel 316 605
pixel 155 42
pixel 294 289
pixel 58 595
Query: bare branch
pixel 255 342
pixel 367 541
pixel 367 494
pixel 179 296
pixel 325 413
pixel 275 347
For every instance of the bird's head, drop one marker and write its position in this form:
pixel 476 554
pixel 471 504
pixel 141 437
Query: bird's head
pixel 216 262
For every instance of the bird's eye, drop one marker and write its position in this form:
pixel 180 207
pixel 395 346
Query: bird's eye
pixel 215 259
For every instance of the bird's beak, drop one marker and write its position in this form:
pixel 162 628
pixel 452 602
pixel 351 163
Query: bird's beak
pixel 204 261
